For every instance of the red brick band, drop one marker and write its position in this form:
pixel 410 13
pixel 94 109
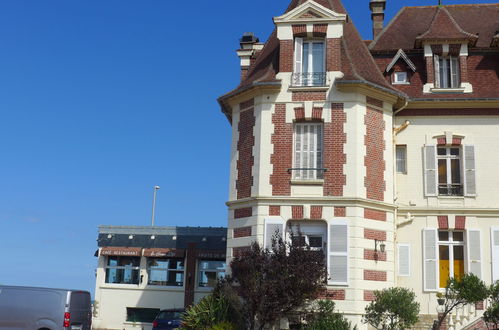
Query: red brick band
pixel 332 295
pixel 374 275
pixel 340 211
pixel 243 213
pixel 245 160
pixel 240 251
pixel 297 211
pixel 369 295
pixel 375 215
pixel 308 96
pixel 286 56
pixel 274 210
pixel 374 161
pixel 374 255
pixel 316 212
pixel 375 234
pixel 242 232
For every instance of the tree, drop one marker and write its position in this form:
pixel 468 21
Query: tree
pixel 327 318
pixel 392 308
pixel 274 282
pixel 468 289
pixel 491 314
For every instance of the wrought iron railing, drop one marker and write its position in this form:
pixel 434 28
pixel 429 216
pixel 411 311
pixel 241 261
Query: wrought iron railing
pixel 308 79
pixel 307 173
pixel 453 189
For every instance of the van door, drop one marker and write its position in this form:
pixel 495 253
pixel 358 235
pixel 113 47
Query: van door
pixel 80 310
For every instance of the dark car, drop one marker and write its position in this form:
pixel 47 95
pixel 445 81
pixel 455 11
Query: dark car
pixel 168 319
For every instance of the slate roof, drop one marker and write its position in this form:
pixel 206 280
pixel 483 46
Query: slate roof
pixel 453 21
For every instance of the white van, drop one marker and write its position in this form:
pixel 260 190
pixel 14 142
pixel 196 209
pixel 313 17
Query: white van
pixel 29 308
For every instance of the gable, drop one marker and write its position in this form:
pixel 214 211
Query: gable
pixel 309 11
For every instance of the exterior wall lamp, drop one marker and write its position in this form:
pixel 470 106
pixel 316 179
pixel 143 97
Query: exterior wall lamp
pixel 381 246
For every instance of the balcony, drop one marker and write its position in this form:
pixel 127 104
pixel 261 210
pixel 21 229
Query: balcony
pixel 309 79
pixel 453 189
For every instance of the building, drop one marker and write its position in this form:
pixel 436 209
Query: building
pixel 382 150
pixel 144 269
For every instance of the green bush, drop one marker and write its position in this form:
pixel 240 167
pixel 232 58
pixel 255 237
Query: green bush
pixel 327 318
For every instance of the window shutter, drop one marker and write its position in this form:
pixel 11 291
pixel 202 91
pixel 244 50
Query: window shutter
pixel 430 170
pixel 469 171
pixel 474 252
pixel 454 67
pixel 298 56
pixel 298 150
pixel 338 253
pixel 273 225
pixel 404 259
pixel 436 62
pixel 430 257
pixel 494 240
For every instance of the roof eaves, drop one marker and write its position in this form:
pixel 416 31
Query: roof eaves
pixel 376 86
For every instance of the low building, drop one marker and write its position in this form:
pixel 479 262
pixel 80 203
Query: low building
pixel 144 269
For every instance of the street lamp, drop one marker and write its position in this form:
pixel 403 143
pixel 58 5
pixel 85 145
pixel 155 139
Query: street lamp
pixel 156 188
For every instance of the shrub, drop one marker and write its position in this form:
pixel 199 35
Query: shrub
pixel 327 318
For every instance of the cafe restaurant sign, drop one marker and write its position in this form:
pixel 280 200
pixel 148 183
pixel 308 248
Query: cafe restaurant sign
pixel 121 251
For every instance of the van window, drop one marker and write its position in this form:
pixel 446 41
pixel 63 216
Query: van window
pixel 80 300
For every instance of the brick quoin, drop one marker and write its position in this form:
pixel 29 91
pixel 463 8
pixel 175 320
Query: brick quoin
pixel 374 275
pixel 297 211
pixel 460 222
pixel 374 255
pixel 375 234
pixel 375 215
pixel 317 113
pixel 282 158
pixel 369 295
pixel 245 160
pixel 286 56
pixel 299 113
pixel 242 232
pixel 316 212
pixel 243 213
pixel 334 152
pixel 299 30
pixel 308 96
pixel 332 295
pixel 443 222
pixel 340 211
pixel 333 54
pixel 240 251
pixel 374 161
pixel 274 210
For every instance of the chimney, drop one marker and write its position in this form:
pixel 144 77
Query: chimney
pixel 377 15
pixel 249 46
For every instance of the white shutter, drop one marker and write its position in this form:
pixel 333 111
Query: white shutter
pixel 474 252
pixel 454 67
pixel 338 252
pixel 298 63
pixel 494 242
pixel 298 150
pixel 430 259
pixel 273 225
pixel 404 259
pixel 469 171
pixel 436 65
pixel 430 170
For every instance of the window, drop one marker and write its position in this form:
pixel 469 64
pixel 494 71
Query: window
pixel 449 171
pixel 124 270
pixel 400 78
pixel 165 272
pixel 146 315
pixel 313 234
pixel 308 151
pixel 450 255
pixel 401 159
pixel 446 72
pixel 210 271
pixel 309 64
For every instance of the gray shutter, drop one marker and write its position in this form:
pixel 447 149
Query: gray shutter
pixel 430 259
pixel 430 170
pixel 494 241
pixel 469 171
pixel 273 225
pixel 474 252
pixel 338 253
pixel 404 259
pixel 436 65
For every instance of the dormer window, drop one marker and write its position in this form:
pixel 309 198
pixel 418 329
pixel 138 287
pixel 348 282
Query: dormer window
pixel 446 72
pixel 309 63
pixel 400 78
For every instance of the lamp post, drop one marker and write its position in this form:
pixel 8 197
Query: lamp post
pixel 156 188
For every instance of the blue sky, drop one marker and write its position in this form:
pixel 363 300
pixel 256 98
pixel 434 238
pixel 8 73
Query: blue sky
pixel 100 100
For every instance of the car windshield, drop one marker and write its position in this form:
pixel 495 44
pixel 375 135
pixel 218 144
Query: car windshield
pixel 169 315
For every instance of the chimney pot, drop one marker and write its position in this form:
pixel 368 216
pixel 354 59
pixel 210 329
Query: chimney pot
pixel 377 8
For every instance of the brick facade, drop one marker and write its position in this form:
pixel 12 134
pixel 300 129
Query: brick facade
pixel 297 211
pixel 369 295
pixel 374 161
pixel 274 210
pixel 242 232
pixel 286 56
pixel 374 255
pixel 308 96
pixel 282 158
pixel 374 275
pixel 332 294
pixel 245 145
pixel 243 213
pixel 460 223
pixel 340 211
pixel 316 212
pixel 333 54
pixel 375 234
pixel 375 214
pixel 334 152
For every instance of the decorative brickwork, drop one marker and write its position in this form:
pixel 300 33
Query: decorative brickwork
pixel 320 30
pixel 243 213
pixel 441 141
pixel 374 275
pixel 242 232
pixel 299 113
pixel 437 49
pixel 334 152
pixel 317 113
pixel 332 295
pixel 374 161
pixel 374 102
pixel 454 49
pixel 286 56
pixel 297 211
pixel 245 145
pixel 460 222
pixel 333 54
pixel 369 295
pixel 375 234
pixel 375 214
pixel 282 158
pixel 340 212
pixel 308 96
pixel 300 30
pixel 316 212
pixel 443 222
pixel 274 210
pixel 240 251
pixel 374 255
pixel 456 141
pixel 463 68
pixel 430 70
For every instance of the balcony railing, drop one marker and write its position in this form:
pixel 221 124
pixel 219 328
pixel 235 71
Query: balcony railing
pixel 307 173
pixel 308 79
pixel 453 189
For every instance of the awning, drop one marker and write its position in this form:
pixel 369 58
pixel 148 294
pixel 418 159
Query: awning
pixel 121 251
pixel 161 253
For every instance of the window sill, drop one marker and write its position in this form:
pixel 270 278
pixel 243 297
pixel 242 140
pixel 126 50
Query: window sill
pixel 447 90
pixel 401 83
pixel 450 197
pixel 308 182
pixel 309 88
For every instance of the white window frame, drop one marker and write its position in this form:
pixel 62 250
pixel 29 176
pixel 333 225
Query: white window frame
pixel 448 157
pixel 305 160
pixel 310 228
pixel 404 159
pixel 451 243
pixel 446 68
pixel 301 73
pixel 400 78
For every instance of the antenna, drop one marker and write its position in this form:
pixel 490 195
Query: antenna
pixel 156 188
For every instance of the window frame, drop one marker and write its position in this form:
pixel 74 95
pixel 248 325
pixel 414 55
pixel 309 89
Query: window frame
pixel 201 271
pixel 444 72
pixel 448 157
pixel 451 243
pixel 396 81
pixel 167 270
pixel 122 269
pixel 404 148
pixel 302 172
pixel 305 75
